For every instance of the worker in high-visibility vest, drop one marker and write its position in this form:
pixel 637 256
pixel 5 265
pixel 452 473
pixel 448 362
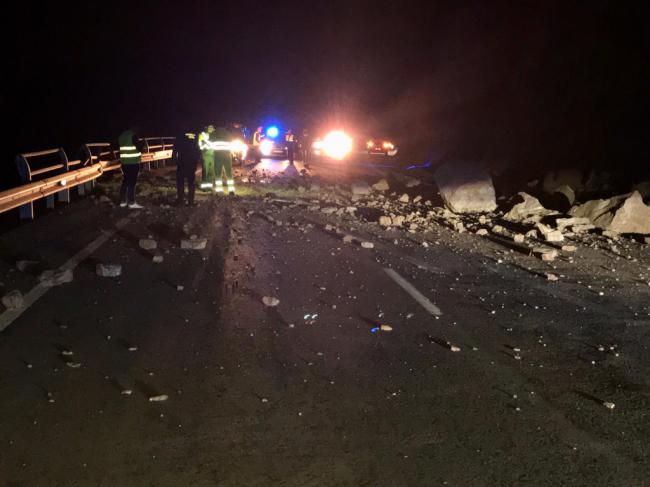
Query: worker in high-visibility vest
pixel 206 138
pixel 223 148
pixel 130 157
pixel 257 140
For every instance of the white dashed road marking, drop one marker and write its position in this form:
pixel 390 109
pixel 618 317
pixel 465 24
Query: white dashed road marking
pixel 413 292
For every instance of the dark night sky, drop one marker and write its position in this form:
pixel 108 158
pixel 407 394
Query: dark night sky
pixel 537 83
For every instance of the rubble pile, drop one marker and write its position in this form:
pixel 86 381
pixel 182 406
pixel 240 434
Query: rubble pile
pixel 621 214
pixel 525 222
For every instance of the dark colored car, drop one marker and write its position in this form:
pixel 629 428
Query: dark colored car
pixel 380 147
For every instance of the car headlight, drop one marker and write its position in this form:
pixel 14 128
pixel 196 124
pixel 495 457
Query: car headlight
pixel 388 145
pixel 337 144
pixel 370 144
pixel 266 147
pixel 239 147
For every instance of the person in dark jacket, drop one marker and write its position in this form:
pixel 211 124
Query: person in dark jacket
pixel 290 143
pixel 186 156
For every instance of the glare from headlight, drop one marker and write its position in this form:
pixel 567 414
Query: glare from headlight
pixel 337 144
pixel 266 147
pixel 388 145
pixel 239 147
pixel 370 144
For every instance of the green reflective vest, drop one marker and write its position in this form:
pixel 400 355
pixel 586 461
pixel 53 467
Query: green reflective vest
pixel 129 153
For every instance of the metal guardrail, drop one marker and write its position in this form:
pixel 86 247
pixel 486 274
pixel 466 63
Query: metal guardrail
pixel 55 180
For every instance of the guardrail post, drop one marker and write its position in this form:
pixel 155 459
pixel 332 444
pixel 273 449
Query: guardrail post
pixel 63 195
pixel 26 212
pixel 86 157
pixel 146 149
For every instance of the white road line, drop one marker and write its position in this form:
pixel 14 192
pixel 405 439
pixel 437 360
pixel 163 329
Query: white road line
pixel 10 315
pixel 414 293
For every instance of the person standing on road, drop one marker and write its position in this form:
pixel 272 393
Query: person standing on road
pixel 290 142
pixel 130 158
pixel 186 155
pixel 257 140
pixel 206 141
pixel 222 146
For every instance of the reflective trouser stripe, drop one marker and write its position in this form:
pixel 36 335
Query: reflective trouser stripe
pixel 128 147
pixel 206 185
pixel 130 154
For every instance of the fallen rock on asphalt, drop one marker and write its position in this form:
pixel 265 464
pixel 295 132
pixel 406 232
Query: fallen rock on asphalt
pixel 368 245
pixel 564 223
pixel 466 188
pixel 108 270
pixel 381 185
pixel 55 277
pixel 550 235
pixel 158 398
pixel 546 254
pixel 148 244
pixel 412 182
pixel 158 259
pixel 194 243
pixel 13 300
pixel 385 221
pixel 622 214
pixel 528 209
pixel 270 301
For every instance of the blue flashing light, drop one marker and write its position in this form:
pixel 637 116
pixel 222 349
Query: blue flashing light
pixel 272 132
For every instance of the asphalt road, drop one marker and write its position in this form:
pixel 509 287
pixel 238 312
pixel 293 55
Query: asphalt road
pixel 309 392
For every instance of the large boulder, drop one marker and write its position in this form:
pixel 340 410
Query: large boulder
pixel 564 177
pixel 381 185
pixel 529 209
pixel 466 188
pixel 621 214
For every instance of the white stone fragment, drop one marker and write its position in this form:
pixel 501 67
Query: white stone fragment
pixel 108 270
pixel 13 300
pixel 148 244
pixel 270 301
pixel 194 244
pixel 159 398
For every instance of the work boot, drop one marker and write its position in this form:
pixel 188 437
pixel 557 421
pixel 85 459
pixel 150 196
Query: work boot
pixel 123 204
pixel 135 206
